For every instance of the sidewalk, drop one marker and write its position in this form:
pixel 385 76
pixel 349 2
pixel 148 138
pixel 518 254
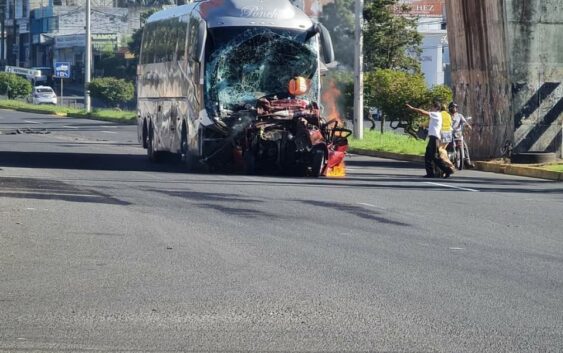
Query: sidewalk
pixel 494 167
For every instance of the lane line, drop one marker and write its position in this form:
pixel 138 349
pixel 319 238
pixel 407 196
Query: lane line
pixel 70 127
pixel 451 186
pixel 109 132
pixel 372 206
pixel 31 122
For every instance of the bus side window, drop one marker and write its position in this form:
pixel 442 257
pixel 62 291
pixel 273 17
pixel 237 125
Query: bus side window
pixel 147 48
pixel 182 38
pixel 193 36
pixel 169 41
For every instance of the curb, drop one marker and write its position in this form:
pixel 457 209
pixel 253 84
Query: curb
pixel 388 155
pixel 511 169
pixel 520 170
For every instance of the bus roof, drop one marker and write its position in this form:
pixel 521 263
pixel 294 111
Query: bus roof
pixel 229 13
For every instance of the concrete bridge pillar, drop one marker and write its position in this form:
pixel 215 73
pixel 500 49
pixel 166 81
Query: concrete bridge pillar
pixel 507 72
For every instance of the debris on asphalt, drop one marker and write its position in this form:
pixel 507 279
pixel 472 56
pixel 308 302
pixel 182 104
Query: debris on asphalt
pixel 25 131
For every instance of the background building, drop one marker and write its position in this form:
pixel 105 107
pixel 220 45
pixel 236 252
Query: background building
pixel 41 32
pixel 435 51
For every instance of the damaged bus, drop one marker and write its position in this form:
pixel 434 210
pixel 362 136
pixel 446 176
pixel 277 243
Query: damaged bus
pixel 235 84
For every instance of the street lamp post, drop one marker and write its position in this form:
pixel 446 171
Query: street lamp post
pixel 87 59
pixel 358 73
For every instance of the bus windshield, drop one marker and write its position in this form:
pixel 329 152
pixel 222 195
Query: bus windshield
pixel 247 63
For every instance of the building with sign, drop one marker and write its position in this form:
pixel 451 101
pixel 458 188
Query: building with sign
pixel 42 32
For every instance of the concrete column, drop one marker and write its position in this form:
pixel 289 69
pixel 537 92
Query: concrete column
pixel 535 38
pixel 507 72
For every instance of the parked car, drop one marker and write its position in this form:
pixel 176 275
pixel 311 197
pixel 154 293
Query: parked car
pixel 42 95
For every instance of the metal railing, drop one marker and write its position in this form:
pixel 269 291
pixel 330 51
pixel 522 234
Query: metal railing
pixel 72 101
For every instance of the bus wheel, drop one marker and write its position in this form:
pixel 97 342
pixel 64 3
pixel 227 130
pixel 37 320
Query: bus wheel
pixel 154 156
pixel 145 134
pixel 185 155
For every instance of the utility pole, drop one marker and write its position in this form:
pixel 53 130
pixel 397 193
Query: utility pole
pixel 358 73
pixel 87 59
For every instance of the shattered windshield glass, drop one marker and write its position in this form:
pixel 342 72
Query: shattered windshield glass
pixel 244 64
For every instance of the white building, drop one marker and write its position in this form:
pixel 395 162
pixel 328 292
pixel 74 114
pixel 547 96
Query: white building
pixel 435 56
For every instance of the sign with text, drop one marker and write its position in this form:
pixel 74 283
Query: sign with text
pixel 30 73
pixel 422 8
pixel 62 70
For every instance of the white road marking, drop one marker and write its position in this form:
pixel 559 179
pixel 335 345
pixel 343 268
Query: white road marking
pixel 372 206
pixel 109 132
pixel 457 249
pixel 70 127
pixel 32 122
pixel 451 186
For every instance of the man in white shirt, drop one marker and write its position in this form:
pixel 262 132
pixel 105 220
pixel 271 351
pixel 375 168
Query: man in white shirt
pixel 434 127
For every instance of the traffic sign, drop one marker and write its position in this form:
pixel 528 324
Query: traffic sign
pixel 62 70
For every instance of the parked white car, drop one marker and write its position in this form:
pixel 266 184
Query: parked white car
pixel 42 95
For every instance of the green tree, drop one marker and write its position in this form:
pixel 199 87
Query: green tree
pixel 440 93
pixel 391 41
pixel 112 90
pixel 390 90
pixel 338 18
pixel 14 86
pixel 115 65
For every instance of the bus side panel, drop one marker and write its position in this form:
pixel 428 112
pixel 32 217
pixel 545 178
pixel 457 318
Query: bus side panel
pixel 169 93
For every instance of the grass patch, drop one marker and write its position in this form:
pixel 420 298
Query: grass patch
pixel 106 115
pixel 97 114
pixel 389 142
pixel 554 167
pixel 34 108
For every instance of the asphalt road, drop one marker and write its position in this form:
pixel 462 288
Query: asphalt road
pixel 101 251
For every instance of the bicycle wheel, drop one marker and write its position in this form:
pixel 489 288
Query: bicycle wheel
pixel 458 158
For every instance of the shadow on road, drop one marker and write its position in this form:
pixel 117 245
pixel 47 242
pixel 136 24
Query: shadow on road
pixel 86 161
pixel 383 179
pixel 382 163
pixel 207 196
pixel 354 210
pixel 42 189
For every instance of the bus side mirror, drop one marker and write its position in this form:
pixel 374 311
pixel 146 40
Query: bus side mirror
pixel 326 44
pixel 201 39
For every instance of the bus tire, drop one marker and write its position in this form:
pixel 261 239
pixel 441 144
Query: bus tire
pixel 185 156
pixel 145 134
pixel 154 156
